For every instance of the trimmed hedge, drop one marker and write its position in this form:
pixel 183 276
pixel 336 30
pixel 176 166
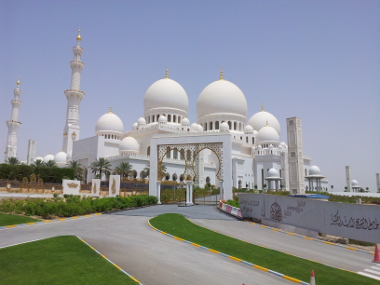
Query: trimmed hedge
pixel 73 205
pixel 48 174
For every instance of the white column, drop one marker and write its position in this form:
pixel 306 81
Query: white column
pixel 189 193
pixel 158 195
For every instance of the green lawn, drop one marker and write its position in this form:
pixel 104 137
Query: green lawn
pixel 59 260
pixel 292 266
pixel 7 220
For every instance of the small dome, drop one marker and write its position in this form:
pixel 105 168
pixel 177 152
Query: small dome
pixel 260 119
pixel 134 126
pixel 259 146
pixel 166 93
pixel 272 173
pixel 283 145
pixel 39 158
pixel 109 123
pixel 268 135
pixel 162 119
pixel 48 157
pixel 255 133
pixel 221 97
pixel 194 127
pixel 354 183
pixel 200 128
pixel 185 122
pixel 129 144
pixel 60 157
pixel 248 129
pixel 224 127
pixel 314 170
pixel 141 121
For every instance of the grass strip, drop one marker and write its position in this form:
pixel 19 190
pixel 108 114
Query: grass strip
pixel 295 267
pixel 7 219
pixel 58 260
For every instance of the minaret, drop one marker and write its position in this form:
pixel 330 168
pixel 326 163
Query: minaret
pixel 74 97
pixel 13 124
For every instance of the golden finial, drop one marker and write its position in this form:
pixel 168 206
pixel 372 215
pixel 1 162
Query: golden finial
pixel 110 110
pixel 79 38
pixel 167 73
pixel 262 107
pixel 221 73
pixel 18 81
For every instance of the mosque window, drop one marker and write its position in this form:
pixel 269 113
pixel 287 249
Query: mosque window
pixel 235 126
pixel 157 117
pixel 167 176
pixel 229 125
pixel 246 140
pixel 169 118
pixel 205 126
pixel 148 151
pixel 211 127
pixel 179 119
pixel 253 140
pixel 153 119
pixel 217 125
pixel 175 154
pixel 174 118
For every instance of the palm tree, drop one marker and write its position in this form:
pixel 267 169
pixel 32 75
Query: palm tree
pixel 123 169
pixel 50 163
pixel 12 161
pixel 38 163
pixel 147 169
pixel 100 166
pixel 78 169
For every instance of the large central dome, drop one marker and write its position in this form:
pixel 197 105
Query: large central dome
pixel 165 93
pixel 221 97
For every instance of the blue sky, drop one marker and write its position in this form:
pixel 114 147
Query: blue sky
pixel 317 60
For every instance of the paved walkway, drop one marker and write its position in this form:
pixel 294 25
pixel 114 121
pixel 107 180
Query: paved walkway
pixel 192 212
pixel 152 258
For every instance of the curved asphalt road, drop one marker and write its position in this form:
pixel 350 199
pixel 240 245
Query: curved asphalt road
pixel 127 239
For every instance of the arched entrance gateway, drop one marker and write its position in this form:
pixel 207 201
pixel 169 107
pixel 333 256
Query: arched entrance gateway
pixel 190 145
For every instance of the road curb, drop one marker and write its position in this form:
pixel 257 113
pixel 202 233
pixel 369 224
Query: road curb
pixel 49 221
pixel 294 280
pixel 311 239
pixel 114 264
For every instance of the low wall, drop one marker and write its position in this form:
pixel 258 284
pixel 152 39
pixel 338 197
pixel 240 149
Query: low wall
pixel 230 210
pixel 354 221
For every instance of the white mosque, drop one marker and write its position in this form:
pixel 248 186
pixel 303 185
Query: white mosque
pixel 259 158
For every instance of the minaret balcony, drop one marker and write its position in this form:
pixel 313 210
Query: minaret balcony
pixel 72 92
pixel 76 64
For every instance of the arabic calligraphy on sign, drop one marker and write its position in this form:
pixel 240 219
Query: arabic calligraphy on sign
pixel 352 222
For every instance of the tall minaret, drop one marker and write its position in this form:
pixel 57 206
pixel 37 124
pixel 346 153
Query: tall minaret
pixel 13 124
pixel 74 97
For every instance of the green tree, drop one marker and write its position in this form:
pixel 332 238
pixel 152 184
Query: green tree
pixel 12 161
pixel 50 163
pixel 100 166
pixel 123 169
pixel 38 163
pixel 78 169
pixel 147 169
